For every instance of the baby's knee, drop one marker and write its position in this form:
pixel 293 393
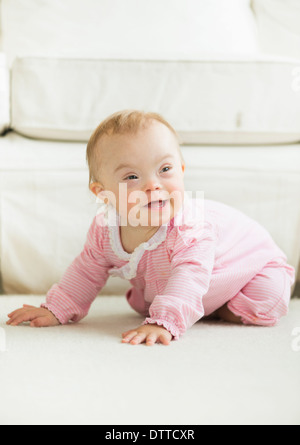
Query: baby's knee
pixel 260 316
pixel 137 302
pixel 270 316
pixel 263 303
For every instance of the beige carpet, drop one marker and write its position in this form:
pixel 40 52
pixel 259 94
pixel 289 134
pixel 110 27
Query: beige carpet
pixel 216 373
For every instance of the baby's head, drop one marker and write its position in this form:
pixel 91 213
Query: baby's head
pixel 134 158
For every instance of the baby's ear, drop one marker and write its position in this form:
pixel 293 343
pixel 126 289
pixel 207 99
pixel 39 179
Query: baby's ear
pixel 96 188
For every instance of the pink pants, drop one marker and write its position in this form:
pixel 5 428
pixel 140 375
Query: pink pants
pixel 265 299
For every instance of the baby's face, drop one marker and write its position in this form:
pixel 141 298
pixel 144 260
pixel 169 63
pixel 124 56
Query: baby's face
pixel 138 169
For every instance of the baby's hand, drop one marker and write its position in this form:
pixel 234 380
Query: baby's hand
pixel 149 333
pixel 38 317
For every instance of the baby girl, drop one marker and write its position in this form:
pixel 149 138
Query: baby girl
pixel 185 258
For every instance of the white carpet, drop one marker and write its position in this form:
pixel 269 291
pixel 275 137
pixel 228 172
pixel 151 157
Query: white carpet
pixel 217 373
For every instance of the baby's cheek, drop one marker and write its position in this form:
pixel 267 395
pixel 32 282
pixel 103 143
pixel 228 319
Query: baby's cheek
pixel 177 197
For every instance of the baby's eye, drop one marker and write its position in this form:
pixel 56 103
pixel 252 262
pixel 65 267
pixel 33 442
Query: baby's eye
pixel 130 177
pixel 166 169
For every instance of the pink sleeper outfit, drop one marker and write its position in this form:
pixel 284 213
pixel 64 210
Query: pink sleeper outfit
pixel 191 267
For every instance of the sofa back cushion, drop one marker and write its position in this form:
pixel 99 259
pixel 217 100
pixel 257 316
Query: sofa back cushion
pixel 4 94
pixel 207 101
pixel 0 25
pixel 279 26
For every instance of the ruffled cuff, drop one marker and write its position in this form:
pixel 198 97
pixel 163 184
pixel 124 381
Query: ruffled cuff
pixel 166 324
pixel 57 314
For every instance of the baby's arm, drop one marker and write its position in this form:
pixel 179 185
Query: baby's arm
pixel 144 334
pixel 71 298
pixel 180 306
pixel 192 262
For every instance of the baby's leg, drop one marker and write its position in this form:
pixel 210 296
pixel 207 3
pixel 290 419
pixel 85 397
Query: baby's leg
pixel 135 298
pixel 265 299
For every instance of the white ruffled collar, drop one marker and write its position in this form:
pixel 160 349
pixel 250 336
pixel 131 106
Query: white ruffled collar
pixel 112 220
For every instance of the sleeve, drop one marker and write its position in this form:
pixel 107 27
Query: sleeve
pixel 72 297
pixel 192 262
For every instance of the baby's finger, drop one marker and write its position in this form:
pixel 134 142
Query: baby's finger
pixel 127 332
pixel 12 314
pixel 151 339
pixel 20 310
pixel 13 317
pixel 23 317
pixel 164 340
pixel 139 338
pixel 129 336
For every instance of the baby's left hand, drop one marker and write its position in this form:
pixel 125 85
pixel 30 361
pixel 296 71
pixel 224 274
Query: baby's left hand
pixel 149 334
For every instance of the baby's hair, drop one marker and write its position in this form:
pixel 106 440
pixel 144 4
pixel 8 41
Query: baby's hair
pixel 121 122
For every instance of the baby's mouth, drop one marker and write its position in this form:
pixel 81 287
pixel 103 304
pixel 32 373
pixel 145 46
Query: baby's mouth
pixel 156 204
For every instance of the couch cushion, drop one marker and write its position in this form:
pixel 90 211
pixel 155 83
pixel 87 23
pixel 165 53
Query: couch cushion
pixel 241 101
pixel 46 206
pixel 140 29
pixel 4 94
pixel 0 25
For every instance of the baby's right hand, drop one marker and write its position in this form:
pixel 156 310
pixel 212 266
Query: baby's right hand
pixel 38 317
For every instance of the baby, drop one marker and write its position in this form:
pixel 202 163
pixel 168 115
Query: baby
pixel 185 258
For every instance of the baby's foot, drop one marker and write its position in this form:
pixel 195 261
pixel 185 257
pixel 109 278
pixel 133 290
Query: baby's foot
pixel 225 314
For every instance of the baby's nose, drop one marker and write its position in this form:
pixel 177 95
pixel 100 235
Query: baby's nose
pixel 152 185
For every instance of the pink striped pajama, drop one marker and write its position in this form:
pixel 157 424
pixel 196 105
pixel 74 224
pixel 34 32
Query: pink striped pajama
pixel 187 270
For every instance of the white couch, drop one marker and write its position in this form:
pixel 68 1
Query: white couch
pixel 197 62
